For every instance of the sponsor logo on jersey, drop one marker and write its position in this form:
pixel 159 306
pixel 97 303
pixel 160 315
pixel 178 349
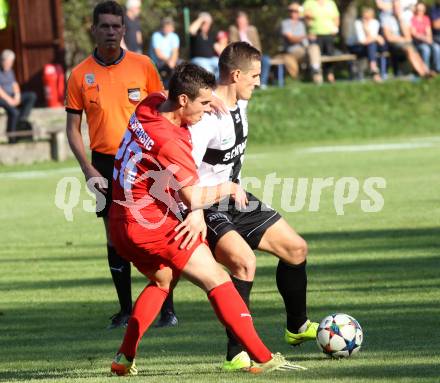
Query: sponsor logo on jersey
pixel 227 140
pixel 134 94
pixel 238 150
pixel 137 129
pixel 90 78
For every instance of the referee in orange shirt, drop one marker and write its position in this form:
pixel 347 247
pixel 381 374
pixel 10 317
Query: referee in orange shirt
pixel 108 85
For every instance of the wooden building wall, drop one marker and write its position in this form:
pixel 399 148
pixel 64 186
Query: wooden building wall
pixel 35 34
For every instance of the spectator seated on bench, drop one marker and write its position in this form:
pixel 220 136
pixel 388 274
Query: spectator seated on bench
pixel 322 18
pixel 398 38
pixel 422 36
pixel 18 105
pixel 296 45
pixel 365 40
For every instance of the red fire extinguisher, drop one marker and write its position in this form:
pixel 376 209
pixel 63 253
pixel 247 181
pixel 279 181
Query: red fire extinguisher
pixel 54 85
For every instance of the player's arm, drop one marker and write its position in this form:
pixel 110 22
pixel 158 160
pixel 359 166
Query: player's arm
pixel 194 224
pixel 199 197
pixel 74 136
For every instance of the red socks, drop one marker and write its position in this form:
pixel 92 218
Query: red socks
pixel 227 304
pixel 145 311
pixel 235 316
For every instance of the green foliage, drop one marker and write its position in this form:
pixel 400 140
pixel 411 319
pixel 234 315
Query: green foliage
pixel 305 112
pixel 266 15
pixel 77 22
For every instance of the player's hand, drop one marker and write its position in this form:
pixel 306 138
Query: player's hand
pixel 218 105
pixel 239 195
pixel 95 180
pixel 193 226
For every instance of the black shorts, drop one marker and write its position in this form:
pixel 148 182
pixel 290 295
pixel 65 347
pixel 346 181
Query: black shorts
pixel 250 223
pixel 104 164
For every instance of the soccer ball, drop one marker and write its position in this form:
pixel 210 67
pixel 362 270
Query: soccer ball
pixel 339 335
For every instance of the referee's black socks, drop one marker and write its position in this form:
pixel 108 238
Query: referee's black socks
pixel 292 285
pixel 121 275
pixel 244 289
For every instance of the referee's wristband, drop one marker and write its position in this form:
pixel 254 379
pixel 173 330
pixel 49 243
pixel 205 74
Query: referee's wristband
pixel 73 111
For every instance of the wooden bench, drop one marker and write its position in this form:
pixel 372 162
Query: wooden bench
pixel 58 147
pixel 278 61
pixel 346 57
pixel 56 137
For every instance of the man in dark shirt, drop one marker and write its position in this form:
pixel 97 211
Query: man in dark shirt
pixel 435 19
pixel 133 33
pixel 18 105
pixel 202 43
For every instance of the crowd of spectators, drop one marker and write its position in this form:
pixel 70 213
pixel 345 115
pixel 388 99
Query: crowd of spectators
pixel 311 30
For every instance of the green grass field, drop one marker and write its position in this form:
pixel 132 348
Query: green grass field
pixel 382 268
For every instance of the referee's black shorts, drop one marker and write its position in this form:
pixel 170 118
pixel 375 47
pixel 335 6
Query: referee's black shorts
pixel 251 223
pixel 104 164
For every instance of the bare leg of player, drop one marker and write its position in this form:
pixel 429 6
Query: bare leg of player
pixel 205 272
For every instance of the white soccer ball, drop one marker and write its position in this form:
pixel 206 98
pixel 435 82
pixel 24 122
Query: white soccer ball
pixel 339 335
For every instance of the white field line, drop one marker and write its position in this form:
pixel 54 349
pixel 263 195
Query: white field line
pixel 415 144
pixel 316 149
pixel 367 148
pixel 38 173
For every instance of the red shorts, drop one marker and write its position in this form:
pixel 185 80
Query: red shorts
pixel 149 250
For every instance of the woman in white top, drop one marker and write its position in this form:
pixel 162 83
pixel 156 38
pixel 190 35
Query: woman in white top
pixel 366 40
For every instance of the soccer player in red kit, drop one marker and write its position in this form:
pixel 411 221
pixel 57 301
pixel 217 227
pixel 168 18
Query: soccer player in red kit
pixel 154 173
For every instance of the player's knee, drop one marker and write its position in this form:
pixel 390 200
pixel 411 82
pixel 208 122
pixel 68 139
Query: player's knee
pixel 243 267
pixel 295 252
pixel 217 278
pixel 163 278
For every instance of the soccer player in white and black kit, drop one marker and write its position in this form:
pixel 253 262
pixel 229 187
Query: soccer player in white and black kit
pixel 219 143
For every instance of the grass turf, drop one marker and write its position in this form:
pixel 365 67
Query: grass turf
pixel 344 110
pixel 382 268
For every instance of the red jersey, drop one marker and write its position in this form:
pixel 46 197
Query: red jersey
pixel 153 162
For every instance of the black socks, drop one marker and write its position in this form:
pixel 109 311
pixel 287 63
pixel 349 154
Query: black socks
pixel 244 289
pixel 168 306
pixel 292 285
pixel 121 275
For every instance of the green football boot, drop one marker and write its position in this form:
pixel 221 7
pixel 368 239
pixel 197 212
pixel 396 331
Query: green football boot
pixel 240 362
pixel 296 339
pixel 122 366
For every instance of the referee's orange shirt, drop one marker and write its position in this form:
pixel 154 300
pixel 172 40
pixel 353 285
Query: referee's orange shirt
pixel 109 95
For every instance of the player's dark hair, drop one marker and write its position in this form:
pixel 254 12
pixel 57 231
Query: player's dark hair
pixel 107 8
pixel 188 79
pixel 238 55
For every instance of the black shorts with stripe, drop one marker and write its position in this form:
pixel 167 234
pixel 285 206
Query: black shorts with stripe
pixel 251 223
pixel 104 164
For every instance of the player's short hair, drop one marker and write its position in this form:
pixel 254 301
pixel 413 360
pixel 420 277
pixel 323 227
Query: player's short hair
pixel 107 8
pixel 238 55
pixel 188 79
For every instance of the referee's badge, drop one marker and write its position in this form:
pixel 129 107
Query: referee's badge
pixel 134 94
pixel 90 78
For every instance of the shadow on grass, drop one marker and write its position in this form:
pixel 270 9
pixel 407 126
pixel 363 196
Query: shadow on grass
pixel 74 332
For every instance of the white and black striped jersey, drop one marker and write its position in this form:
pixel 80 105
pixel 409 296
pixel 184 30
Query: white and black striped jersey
pixel 219 143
